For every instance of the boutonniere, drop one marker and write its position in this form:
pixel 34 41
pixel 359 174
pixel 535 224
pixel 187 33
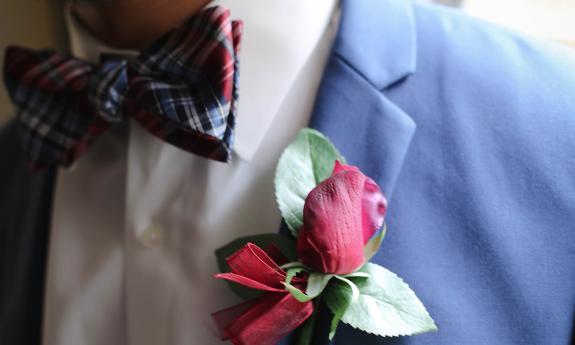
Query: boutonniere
pixel 335 215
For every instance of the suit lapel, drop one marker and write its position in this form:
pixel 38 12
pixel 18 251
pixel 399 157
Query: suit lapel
pixel 368 129
pixel 25 212
pixel 374 49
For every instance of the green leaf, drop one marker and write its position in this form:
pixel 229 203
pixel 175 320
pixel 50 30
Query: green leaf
pixel 338 309
pixel 286 244
pixel 294 264
pixel 372 246
pixel 303 165
pixel 353 293
pixel 297 293
pixel 357 274
pixel 386 305
pixel 316 283
pixel 290 273
pixel 353 296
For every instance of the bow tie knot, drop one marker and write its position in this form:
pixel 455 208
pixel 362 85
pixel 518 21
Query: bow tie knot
pixel 183 89
pixel 107 89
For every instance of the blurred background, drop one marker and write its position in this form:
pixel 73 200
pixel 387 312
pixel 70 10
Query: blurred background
pixel 39 23
pixel 33 23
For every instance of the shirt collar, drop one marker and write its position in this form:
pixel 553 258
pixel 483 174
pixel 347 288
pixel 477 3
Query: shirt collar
pixel 273 52
pixel 85 46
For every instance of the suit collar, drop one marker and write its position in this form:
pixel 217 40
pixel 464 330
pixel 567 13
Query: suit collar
pixel 377 38
pixel 374 50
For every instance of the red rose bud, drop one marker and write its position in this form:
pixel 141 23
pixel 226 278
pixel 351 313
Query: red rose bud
pixel 340 215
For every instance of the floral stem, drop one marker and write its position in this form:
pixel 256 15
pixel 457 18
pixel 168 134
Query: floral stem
pixel 306 332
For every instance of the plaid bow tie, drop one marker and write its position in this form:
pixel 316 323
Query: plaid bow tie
pixel 183 89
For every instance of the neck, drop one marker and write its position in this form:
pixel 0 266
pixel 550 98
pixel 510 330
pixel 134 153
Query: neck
pixel 134 24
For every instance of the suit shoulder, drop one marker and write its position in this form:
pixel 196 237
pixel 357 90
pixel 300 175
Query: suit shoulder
pixel 460 37
pixel 510 69
pixel 484 86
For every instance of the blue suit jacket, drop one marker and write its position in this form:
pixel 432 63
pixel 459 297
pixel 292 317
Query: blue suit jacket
pixel 470 131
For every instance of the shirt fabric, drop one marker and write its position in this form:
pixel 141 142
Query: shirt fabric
pixel 136 221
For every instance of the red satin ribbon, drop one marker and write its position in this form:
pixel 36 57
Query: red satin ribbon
pixel 270 317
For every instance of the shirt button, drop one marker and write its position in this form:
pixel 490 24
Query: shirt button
pixel 152 237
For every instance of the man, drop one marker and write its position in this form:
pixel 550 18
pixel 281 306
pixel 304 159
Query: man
pixel 467 128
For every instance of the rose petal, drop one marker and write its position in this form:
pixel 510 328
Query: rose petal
pixel 340 216
pixel 374 204
pixel 331 238
pixel 373 208
pixel 339 167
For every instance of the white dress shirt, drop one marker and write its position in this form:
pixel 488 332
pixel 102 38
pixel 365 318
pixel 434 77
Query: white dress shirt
pixel 136 221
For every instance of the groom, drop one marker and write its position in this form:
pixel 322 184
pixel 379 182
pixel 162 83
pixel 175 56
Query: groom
pixel 466 127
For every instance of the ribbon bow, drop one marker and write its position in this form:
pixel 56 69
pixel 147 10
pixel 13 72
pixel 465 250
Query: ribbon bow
pixel 183 89
pixel 268 318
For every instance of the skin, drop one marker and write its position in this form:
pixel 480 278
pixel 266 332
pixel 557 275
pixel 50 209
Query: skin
pixel 134 24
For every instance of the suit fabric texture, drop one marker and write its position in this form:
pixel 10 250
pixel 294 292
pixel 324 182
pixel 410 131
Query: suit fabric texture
pixel 25 200
pixel 468 129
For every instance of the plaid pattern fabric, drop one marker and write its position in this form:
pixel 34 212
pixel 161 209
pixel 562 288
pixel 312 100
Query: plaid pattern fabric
pixel 183 89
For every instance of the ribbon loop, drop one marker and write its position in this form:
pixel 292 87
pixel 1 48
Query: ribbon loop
pixel 268 318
